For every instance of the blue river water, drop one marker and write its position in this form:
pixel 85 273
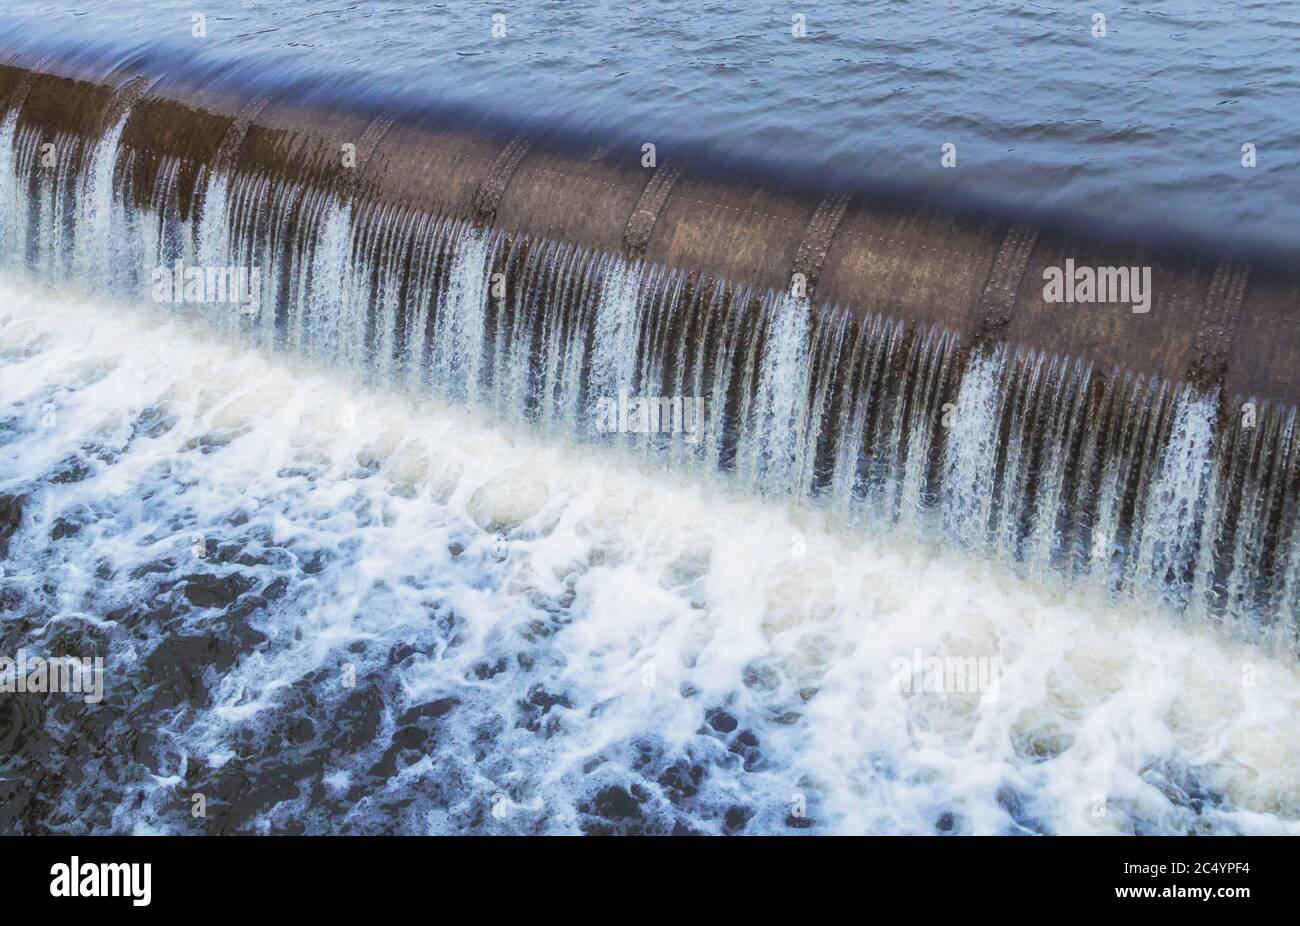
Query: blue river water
pixel 1141 126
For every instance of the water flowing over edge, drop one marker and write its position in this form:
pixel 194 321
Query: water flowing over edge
pixel 1134 484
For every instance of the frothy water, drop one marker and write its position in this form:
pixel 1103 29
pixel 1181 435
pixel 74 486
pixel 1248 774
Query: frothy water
pixel 544 637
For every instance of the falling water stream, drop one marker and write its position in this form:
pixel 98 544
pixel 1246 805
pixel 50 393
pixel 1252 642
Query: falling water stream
pixel 426 587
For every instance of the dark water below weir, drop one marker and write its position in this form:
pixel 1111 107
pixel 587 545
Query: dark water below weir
pixel 1142 127
pixel 1132 483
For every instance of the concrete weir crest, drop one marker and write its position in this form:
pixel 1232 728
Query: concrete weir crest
pixel 977 275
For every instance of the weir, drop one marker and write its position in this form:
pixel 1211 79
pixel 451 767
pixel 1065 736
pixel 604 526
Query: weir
pixel 889 361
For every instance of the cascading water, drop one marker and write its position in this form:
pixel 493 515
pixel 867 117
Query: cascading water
pixel 971 453
pixel 1040 458
pixel 421 539
pixel 94 226
pixel 8 192
pixel 457 344
pixel 618 319
pixel 778 427
pixel 1175 511
pixel 332 325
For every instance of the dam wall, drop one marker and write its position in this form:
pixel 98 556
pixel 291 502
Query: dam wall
pixel 1214 320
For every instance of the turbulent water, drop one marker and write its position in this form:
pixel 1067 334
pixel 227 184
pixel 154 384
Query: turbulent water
pixel 386 549
pixel 543 639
